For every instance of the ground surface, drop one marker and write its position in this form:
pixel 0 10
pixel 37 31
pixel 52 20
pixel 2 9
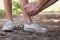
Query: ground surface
pixel 50 21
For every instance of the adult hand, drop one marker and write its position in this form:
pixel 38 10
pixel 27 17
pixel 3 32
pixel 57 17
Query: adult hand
pixel 31 9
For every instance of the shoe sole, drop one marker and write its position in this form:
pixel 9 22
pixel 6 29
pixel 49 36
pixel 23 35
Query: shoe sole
pixel 7 30
pixel 34 31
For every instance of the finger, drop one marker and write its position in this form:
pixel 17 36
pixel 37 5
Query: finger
pixel 31 10
pixel 25 7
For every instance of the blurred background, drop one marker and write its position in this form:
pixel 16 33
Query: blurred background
pixel 16 7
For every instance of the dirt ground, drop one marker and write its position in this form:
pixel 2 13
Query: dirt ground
pixel 49 20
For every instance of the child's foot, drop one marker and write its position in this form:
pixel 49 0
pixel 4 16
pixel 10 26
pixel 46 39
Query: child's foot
pixel 9 26
pixel 34 28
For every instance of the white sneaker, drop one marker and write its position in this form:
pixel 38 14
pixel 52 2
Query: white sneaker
pixel 9 26
pixel 34 28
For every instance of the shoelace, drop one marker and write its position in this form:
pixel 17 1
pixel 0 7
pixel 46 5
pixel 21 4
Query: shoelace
pixel 8 24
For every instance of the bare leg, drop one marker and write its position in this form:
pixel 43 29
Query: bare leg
pixel 8 9
pixel 27 18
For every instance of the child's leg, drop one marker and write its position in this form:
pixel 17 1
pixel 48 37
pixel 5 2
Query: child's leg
pixel 8 9
pixel 27 18
pixel 9 26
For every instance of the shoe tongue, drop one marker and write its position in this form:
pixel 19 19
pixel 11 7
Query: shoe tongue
pixel 9 21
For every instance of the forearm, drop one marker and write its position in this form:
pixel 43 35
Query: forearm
pixel 40 3
pixel 49 3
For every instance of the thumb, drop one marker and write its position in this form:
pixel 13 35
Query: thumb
pixel 25 7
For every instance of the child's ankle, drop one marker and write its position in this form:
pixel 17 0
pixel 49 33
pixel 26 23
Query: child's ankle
pixel 28 23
